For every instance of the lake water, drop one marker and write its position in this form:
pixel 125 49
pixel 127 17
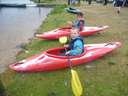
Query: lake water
pixel 16 1
pixel 17 25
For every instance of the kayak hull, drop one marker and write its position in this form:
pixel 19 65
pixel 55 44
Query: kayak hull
pixel 72 10
pixel 51 60
pixel 59 32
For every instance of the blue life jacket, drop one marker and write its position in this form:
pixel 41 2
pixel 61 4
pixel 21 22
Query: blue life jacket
pixel 72 42
pixel 77 24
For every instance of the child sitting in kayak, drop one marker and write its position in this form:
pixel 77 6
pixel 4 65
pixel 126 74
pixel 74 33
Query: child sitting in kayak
pixel 78 23
pixel 76 44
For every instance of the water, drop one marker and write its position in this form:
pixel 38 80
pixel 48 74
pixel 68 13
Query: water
pixel 17 25
pixel 16 1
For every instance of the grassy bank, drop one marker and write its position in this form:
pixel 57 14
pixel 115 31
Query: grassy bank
pixel 44 1
pixel 107 76
pixel 51 1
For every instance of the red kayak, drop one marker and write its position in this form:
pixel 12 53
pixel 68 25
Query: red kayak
pixel 51 60
pixel 59 32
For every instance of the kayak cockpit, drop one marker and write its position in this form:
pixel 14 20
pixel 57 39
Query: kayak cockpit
pixel 57 53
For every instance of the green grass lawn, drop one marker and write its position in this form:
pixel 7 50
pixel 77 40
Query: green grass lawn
pixel 51 1
pixel 44 1
pixel 107 76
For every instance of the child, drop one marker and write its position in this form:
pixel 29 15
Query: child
pixel 76 44
pixel 79 23
pixel 118 5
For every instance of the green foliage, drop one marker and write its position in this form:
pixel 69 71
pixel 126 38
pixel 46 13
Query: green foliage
pixel 58 9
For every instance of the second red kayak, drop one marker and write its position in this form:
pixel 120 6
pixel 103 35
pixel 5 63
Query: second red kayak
pixel 60 32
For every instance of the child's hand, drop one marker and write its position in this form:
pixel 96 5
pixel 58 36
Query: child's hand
pixel 66 45
pixel 69 23
pixel 67 53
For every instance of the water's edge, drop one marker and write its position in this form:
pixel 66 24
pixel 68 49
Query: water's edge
pixel 17 26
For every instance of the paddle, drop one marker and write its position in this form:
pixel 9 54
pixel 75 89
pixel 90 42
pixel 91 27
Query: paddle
pixel 75 81
pixel 63 40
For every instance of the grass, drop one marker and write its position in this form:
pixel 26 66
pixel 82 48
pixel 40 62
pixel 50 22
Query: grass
pixel 44 1
pixel 51 1
pixel 107 76
pixel 2 89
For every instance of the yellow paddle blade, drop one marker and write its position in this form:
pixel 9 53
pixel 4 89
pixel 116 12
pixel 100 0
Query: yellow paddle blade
pixel 76 84
pixel 63 40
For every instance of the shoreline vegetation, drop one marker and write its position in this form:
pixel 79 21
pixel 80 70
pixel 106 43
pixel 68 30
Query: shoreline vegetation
pixel 107 76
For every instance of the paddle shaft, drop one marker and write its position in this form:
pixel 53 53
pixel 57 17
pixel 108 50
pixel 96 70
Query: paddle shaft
pixel 76 85
pixel 69 61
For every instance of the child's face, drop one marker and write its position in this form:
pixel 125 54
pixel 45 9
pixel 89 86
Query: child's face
pixel 74 33
pixel 79 17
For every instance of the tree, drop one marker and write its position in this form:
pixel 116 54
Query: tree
pixel 79 1
pixel 38 1
pixel 105 2
pixel 68 2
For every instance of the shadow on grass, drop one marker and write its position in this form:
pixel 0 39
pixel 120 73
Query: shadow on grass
pixel 2 89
